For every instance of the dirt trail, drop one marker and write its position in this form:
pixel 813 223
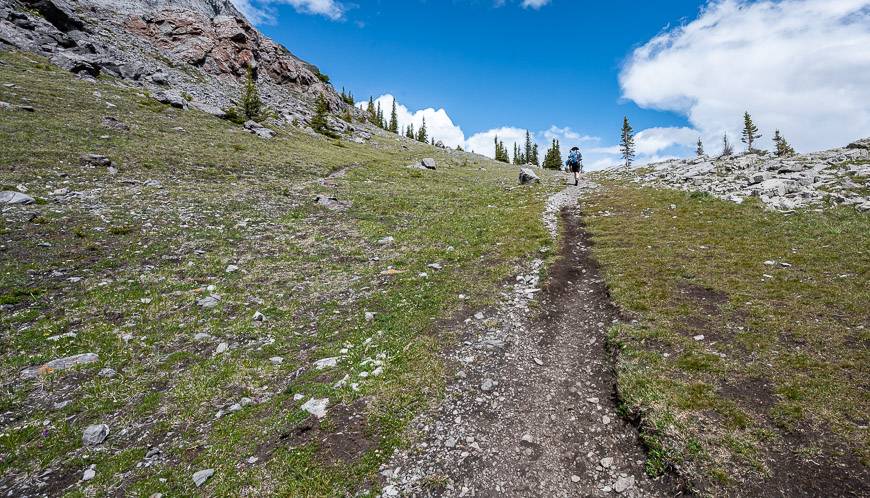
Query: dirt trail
pixel 530 411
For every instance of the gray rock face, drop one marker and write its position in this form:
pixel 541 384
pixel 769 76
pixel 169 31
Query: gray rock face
pixel 527 176
pixel 10 198
pixel 94 435
pixel 59 364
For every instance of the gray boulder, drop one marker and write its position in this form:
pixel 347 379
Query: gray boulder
pixel 95 434
pixel 172 98
pixel 332 203
pixel 427 163
pixel 9 198
pixel 527 176
pixel 200 477
pixel 259 130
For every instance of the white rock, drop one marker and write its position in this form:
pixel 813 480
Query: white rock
pixel 222 348
pixel 316 407
pixel 89 474
pixel 231 269
pixel 326 363
pixel 623 484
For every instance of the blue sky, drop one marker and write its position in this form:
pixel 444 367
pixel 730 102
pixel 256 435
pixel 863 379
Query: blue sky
pixel 501 64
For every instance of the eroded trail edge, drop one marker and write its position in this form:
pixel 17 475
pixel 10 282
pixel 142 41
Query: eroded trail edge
pixel 530 409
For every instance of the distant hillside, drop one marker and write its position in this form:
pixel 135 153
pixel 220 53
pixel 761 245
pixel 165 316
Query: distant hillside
pixel 826 178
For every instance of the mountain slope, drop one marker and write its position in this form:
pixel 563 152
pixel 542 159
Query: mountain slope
pixel 196 49
pixel 119 261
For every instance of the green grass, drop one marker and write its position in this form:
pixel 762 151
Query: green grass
pixel 145 254
pixel 784 352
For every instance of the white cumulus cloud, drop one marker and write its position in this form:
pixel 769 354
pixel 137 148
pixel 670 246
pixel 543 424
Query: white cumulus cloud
pixel 261 11
pixel 439 125
pixel 801 66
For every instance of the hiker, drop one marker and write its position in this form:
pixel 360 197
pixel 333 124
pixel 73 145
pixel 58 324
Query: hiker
pixel 575 164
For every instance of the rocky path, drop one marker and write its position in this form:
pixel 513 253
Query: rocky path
pixel 530 411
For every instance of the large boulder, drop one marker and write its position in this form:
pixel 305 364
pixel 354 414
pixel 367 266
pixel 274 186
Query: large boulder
pixel 527 176
pixel 172 98
pixel 258 129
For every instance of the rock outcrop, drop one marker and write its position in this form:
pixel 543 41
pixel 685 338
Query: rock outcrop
pixel 832 177
pixel 199 49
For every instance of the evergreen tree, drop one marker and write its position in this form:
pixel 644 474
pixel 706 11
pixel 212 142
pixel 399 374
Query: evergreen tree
pixel 394 119
pixel 346 97
pixel 727 149
pixel 379 117
pixel 750 132
pixel 700 150
pixel 533 159
pixel 422 134
pixel 410 132
pixel 320 122
pixel 527 151
pixel 501 152
pixel 626 143
pixel 432 141
pixel 459 148
pixel 252 106
pixel 783 148
pixel 516 154
pixel 553 157
pixel 373 115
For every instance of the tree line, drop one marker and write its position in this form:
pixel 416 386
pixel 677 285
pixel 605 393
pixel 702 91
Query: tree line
pixel 749 136
pixel 527 154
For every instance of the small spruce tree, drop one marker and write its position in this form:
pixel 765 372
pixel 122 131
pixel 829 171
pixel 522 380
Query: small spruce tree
pixel 527 150
pixel 320 122
pixel 379 117
pixel 534 157
pixel 727 148
pixel 422 134
pixel 626 143
pixel 750 132
pixel 700 150
pixel 394 119
pixel 409 132
pixel 373 114
pixel 252 106
pixel 783 148
pixel 553 157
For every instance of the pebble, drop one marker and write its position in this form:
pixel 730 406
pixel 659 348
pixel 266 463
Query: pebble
pixel 222 348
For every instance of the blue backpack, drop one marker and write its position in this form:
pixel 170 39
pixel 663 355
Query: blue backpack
pixel 575 158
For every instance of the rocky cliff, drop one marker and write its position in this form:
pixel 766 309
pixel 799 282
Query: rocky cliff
pixel 832 177
pixel 187 52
